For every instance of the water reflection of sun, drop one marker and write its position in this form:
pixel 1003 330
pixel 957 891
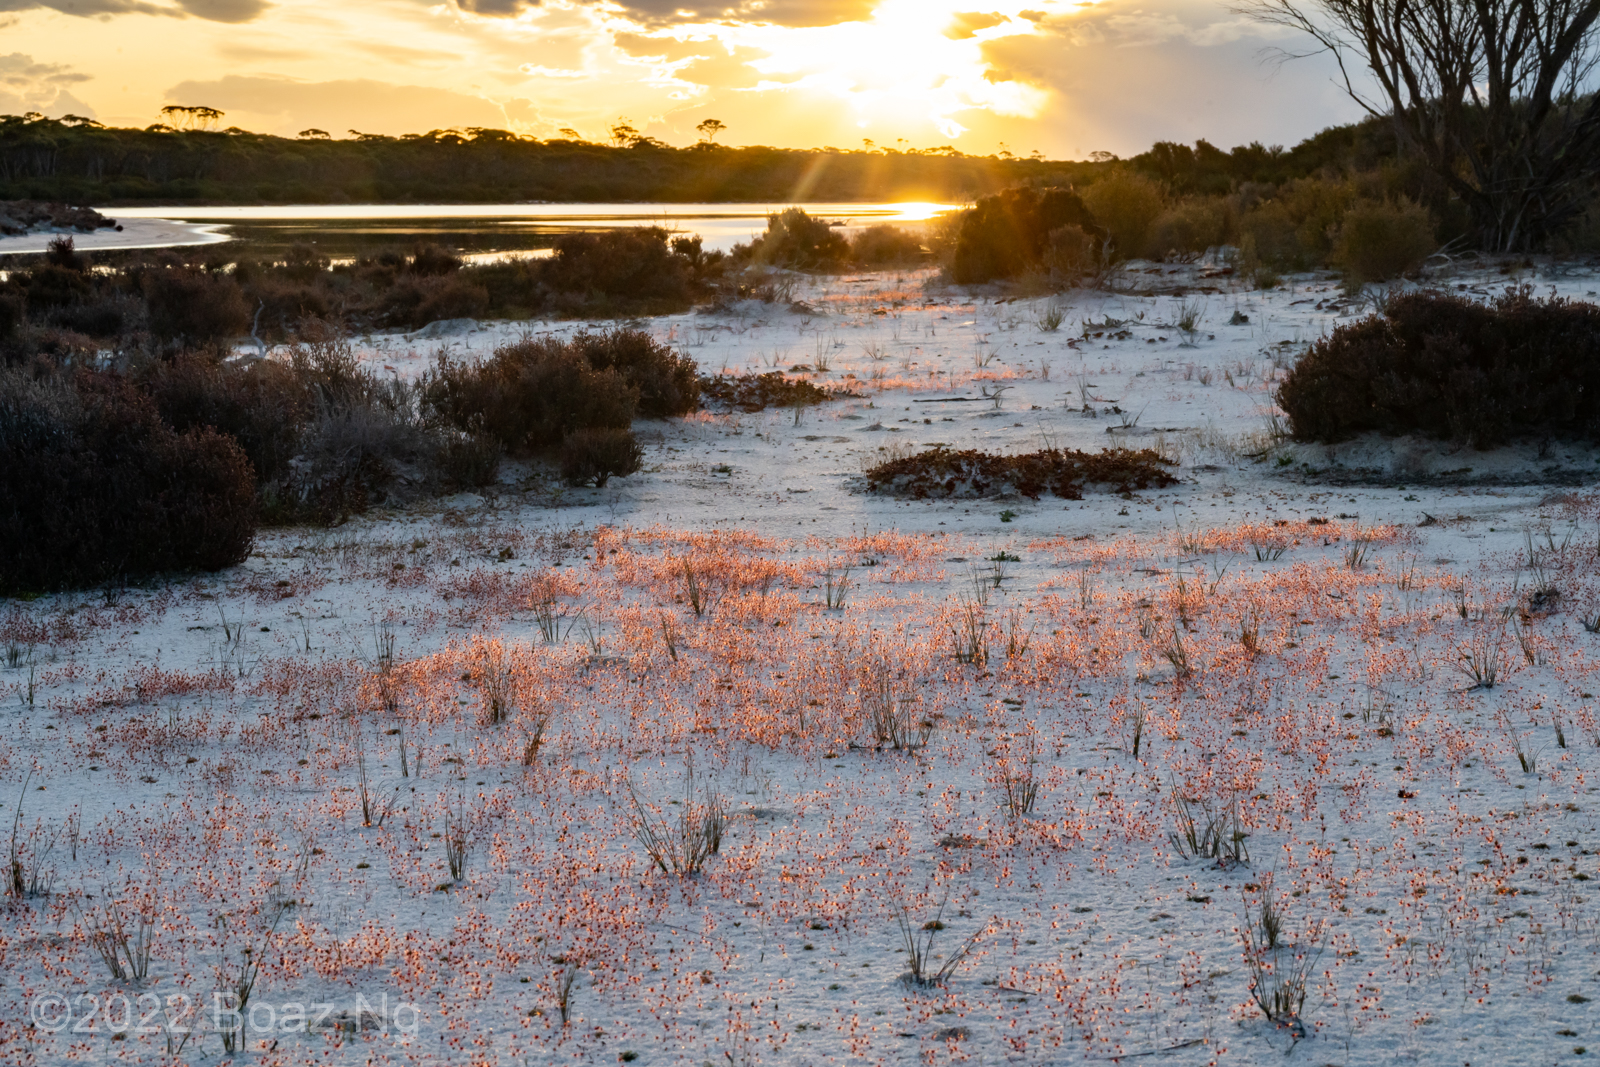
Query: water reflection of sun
pixel 912 60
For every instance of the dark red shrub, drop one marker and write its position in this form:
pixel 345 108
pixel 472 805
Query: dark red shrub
pixel 93 486
pixel 1451 368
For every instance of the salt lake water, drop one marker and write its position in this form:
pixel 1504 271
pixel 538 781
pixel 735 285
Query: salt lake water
pixel 478 230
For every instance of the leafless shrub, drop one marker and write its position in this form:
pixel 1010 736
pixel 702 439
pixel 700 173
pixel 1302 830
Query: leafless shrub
pixel 1138 719
pixel 835 586
pixel 694 588
pixel 1355 553
pixel 682 846
pixel 890 708
pixel 456 841
pixel 1279 971
pixel 1209 832
pixel 1177 655
pixel 1020 783
pixel 495 677
pixel 919 940
pixel 124 947
pixel 1017 639
pixel 970 633
pixel 1483 658
pixel 1250 632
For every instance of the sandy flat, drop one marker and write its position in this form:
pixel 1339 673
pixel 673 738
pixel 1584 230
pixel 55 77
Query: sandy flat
pixel 136 233
pixel 1289 632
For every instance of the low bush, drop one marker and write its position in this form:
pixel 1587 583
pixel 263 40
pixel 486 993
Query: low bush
pixel 194 305
pixel 1071 253
pixel 1379 240
pixel 942 472
pixel 632 270
pixel 1126 203
pixel 1011 233
pixel 595 456
pixel 529 394
pixel 886 246
pixel 757 392
pixel 94 487
pixel 468 460
pixel 418 299
pixel 262 405
pixel 667 380
pixel 1451 368
pixel 1190 227
pixel 796 240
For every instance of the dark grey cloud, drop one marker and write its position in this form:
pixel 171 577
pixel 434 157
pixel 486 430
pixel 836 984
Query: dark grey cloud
pixel 224 10
pixel 212 10
pixel 87 8
pixel 793 13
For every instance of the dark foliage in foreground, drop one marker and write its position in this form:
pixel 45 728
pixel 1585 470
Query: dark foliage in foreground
pixel 95 487
pixel 941 472
pixel 1451 368
pixel 757 392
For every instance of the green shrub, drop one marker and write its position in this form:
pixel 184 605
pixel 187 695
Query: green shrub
pixel 1071 253
pixel 886 246
pixel 797 241
pixel 1268 238
pixel 1446 367
pixel 1190 227
pixel 93 486
pixel 1379 240
pixel 1126 203
pixel 595 456
pixel 1010 233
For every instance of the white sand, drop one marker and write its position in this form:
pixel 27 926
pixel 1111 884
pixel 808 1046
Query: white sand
pixel 1446 892
pixel 136 233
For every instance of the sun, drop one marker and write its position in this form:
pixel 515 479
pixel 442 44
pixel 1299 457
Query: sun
pixel 911 62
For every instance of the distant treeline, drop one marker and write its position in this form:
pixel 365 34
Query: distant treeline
pixel 80 161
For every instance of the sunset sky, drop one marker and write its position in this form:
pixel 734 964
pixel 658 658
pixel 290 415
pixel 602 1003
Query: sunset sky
pixel 1061 78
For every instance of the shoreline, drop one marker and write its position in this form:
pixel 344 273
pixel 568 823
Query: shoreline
pixel 135 233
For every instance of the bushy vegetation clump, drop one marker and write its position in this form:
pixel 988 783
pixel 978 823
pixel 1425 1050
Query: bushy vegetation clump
pixel 757 392
pixel 595 456
pixel 94 486
pixel 1126 203
pixel 795 240
pixel 945 472
pixel 169 302
pixel 170 462
pixel 534 393
pixel 1443 366
pixel 1005 235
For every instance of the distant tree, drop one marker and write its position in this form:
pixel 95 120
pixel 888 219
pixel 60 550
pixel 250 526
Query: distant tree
pixel 623 134
pixel 314 134
pixel 570 134
pixel 1496 97
pixel 710 128
pixel 196 117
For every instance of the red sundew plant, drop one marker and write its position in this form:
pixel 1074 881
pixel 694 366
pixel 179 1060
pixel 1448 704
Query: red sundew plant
pixel 1376 794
